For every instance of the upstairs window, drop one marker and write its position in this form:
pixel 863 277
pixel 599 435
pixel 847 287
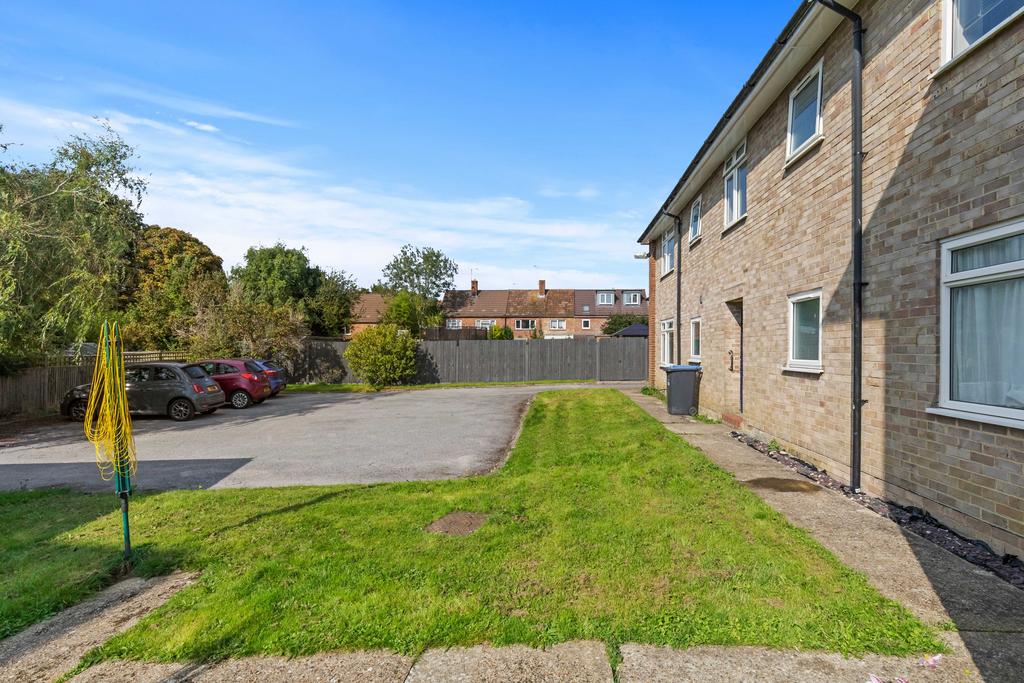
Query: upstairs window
pixel 668 252
pixel 631 298
pixel 972 20
pixel 605 298
pixel 695 220
pixel 982 339
pixel 736 185
pixel 805 113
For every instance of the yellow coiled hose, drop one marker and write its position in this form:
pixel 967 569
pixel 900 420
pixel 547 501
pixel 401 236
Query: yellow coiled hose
pixel 108 425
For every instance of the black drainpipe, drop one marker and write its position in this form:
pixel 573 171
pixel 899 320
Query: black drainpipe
pixel 856 403
pixel 679 260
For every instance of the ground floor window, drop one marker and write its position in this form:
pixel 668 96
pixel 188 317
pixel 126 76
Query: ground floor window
pixel 526 324
pixel 585 324
pixel 805 330
pixel 485 324
pixel 982 316
pixel 668 341
pixel 695 339
pixel 454 324
pixel 557 324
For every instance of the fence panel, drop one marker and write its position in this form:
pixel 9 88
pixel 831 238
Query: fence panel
pixel 39 390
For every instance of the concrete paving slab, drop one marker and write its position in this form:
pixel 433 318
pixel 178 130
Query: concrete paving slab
pixel 53 647
pixel 580 662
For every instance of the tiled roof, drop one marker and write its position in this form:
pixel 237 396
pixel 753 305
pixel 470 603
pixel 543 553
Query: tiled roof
pixel 588 298
pixel 487 303
pixel 528 303
pixel 369 308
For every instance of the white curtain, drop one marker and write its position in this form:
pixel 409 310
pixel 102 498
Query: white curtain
pixel 987 352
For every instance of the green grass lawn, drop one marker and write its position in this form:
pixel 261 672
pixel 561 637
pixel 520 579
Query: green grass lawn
pixel 603 525
pixel 367 389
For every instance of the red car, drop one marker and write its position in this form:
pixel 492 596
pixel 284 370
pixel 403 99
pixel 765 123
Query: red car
pixel 244 382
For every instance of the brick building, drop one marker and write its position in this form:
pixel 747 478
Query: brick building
pixel 557 313
pixel 756 238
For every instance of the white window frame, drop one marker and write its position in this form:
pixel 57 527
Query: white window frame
pixel 601 295
pixel 585 324
pixel 668 328
pixel 949 26
pixel 631 298
pixel 668 253
pixel 526 324
pixel 485 323
pixel 802 365
pixel 793 154
pixel 732 165
pixel 556 324
pixel 695 321
pixel 695 208
pixel 1012 417
pixel 453 324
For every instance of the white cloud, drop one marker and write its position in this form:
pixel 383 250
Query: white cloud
pixel 232 198
pixel 187 104
pixel 205 127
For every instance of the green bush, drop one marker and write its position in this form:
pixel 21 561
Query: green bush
pixel 382 356
pixel 499 332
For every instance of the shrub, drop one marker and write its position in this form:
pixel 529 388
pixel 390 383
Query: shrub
pixel 382 356
pixel 498 332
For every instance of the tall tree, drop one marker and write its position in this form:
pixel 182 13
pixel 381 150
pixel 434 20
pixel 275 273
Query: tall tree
pixel 166 261
pixel 424 271
pixel 67 234
pixel 282 276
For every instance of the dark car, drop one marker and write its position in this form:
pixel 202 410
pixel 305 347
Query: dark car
pixel 243 380
pixel 276 375
pixel 173 389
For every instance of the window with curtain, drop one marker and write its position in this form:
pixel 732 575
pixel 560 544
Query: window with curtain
pixel 983 322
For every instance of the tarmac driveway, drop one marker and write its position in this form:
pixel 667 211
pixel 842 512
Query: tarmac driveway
pixel 292 439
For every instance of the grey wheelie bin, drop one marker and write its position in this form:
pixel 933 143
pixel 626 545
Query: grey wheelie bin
pixel 683 389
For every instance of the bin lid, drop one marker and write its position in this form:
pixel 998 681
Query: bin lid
pixel 681 368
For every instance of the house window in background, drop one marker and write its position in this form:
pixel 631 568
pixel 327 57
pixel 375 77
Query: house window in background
pixel 982 340
pixel 485 324
pixel 526 324
pixel 631 298
pixel 605 298
pixel 557 324
pixel 805 331
pixel 586 324
pixel 453 324
pixel 736 185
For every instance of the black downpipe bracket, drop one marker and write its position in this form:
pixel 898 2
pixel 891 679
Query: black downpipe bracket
pixel 857 144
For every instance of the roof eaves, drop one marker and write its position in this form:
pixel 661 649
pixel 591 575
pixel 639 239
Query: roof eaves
pixel 805 8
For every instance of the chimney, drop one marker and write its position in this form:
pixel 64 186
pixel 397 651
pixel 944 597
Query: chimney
pixel 542 287
pixel 474 287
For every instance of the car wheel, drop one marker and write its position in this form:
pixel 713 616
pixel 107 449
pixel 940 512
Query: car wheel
pixel 77 410
pixel 181 410
pixel 241 399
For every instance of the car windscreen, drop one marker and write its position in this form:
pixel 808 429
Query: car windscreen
pixel 194 371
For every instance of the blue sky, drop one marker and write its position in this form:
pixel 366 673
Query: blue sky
pixel 527 140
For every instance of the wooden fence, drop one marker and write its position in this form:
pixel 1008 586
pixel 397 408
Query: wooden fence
pixel 446 362
pixel 38 390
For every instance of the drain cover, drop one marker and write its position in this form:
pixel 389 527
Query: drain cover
pixel 457 523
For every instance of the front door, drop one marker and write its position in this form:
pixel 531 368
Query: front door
pixel 734 339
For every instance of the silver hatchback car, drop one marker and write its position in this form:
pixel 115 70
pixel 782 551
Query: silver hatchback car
pixel 173 389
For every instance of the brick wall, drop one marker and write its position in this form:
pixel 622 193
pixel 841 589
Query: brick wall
pixel 945 156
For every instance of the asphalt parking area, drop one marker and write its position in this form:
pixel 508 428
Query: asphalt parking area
pixel 292 439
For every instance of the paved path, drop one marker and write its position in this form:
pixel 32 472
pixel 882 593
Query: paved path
pixel 295 438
